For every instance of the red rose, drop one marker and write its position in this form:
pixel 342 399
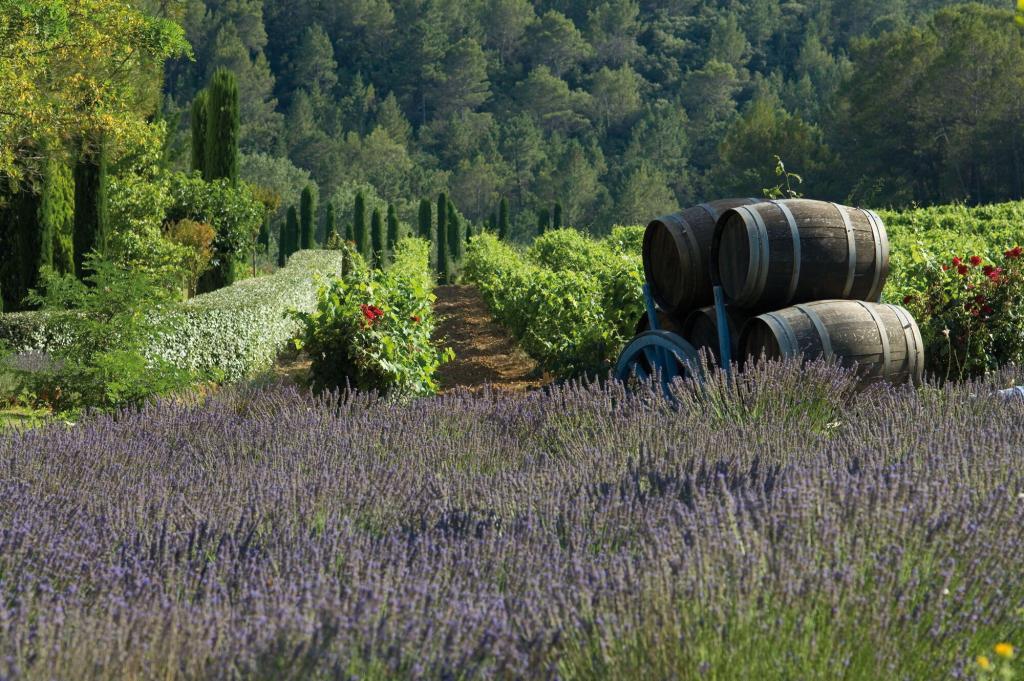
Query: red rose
pixel 987 310
pixel 945 268
pixel 979 299
pixel 907 300
pixel 1013 253
pixel 994 274
pixel 975 260
pixel 988 269
pixel 415 318
pixel 974 312
pixel 957 262
pixel 963 269
pixel 367 312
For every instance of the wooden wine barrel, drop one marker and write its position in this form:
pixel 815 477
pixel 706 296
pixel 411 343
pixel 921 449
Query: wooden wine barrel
pixel 779 253
pixel 676 251
pixel 665 322
pixel 882 340
pixel 701 328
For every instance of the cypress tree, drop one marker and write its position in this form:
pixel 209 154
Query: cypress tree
pixel 557 220
pixel 492 222
pixel 58 213
pixel 442 236
pixel 543 221
pixel 91 221
pixel 282 245
pixel 292 232
pixel 307 210
pixel 379 238
pixel 21 225
pixel 222 124
pixel 198 124
pixel 470 232
pixel 330 224
pixel 456 246
pixel 264 238
pixel 350 233
pixel 393 228
pixel 425 216
pixel 362 238
pixel 503 219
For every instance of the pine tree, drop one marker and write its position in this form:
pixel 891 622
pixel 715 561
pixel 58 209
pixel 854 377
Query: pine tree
pixel 378 236
pixel 292 231
pixel 91 221
pixel 556 222
pixel 330 225
pixel 425 217
pixel 442 237
pixel 362 238
pixel 503 219
pixel 393 234
pixel 307 217
pixel 198 124
pixel 222 124
pixel 456 245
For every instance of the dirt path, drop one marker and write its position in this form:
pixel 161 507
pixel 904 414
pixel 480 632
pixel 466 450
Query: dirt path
pixel 485 353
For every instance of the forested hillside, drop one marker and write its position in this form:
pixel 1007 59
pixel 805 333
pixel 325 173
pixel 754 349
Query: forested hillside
pixel 617 109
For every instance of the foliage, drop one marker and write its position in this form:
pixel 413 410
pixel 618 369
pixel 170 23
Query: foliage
pixel 110 320
pixel 372 329
pixel 233 210
pixel 92 223
pixel 572 302
pixel 197 238
pixel 229 334
pixel 68 67
pixel 974 322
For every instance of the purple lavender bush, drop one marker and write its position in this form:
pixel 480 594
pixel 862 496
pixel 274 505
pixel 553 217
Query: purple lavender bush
pixel 778 527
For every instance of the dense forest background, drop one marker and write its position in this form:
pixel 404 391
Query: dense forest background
pixel 617 109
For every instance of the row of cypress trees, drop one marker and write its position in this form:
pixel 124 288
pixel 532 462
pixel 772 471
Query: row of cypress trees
pixel 53 221
pixel 375 240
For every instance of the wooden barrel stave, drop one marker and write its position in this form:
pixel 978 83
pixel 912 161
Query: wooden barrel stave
pixel 882 340
pixel 676 251
pixel 777 253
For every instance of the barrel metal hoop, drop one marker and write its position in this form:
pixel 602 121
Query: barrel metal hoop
pixel 883 335
pixel 783 332
pixel 875 293
pixel 794 278
pixel 826 340
pixel 913 337
pixel 762 249
pixel 710 210
pixel 851 250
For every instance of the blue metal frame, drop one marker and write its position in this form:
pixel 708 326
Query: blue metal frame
pixel 724 335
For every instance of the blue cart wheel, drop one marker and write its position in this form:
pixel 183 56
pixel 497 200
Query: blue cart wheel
pixel 660 353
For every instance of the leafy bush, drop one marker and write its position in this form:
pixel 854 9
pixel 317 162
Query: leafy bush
pixel 111 319
pixel 233 210
pixel 372 330
pixel 972 317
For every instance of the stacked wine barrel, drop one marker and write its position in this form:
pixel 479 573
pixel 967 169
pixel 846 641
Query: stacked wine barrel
pixel 801 278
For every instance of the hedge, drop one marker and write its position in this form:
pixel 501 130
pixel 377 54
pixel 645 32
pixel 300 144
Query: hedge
pixel 233 332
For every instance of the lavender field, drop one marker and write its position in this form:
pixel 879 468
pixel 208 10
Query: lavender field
pixel 780 528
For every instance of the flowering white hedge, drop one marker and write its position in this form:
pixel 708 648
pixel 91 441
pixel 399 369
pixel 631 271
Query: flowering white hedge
pixel 235 331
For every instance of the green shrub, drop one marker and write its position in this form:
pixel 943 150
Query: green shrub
pixel 371 329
